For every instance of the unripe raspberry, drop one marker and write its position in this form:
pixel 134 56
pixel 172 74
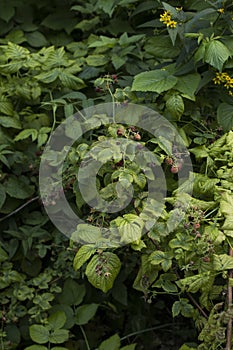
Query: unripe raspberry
pixel 174 169
pixel 137 137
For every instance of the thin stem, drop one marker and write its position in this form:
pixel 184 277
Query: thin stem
pixel 150 329
pixel 20 208
pixel 197 305
pixel 229 305
pixel 85 338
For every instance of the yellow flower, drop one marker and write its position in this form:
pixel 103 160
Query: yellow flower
pixel 172 24
pixel 221 10
pixel 179 8
pixel 165 17
pixel 221 78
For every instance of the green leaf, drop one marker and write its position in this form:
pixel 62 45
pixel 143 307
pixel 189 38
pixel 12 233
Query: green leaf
pixel 225 116
pixel 188 84
pixel 97 60
pixel 39 333
pixel 129 347
pixel 59 336
pixel 85 313
pixel 83 254
pixel 161 46
pixel 175 105
pixel 72 293
pixel 27 133
pixel 107 6
pixel 7 10
pixel 102 270
pixel 86 233
pixel 57 320
pixel 130 227
pixel 222 262
pixel 112 343
pixel 9 122
pixel 158 80
pixel 182 307
pixel 36 39
pixel 2 195
pixel 3 255
pixel 216 54
pixel 18 188
pixel 36 347
pixel 194 283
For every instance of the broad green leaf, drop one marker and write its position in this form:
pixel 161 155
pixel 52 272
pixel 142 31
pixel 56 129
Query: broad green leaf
pixel 57 320
pixel 216 54
pixel 39 333
pixel 222 262
pixel 175 106
pixel 97 60
pixel 83 254
pixel 194 283
pixel 48 77
pixel 181 241
pixel 188 84
pixel 102 270
pixel 3 255
pixel 86 233
pixel 36 39
pixel 18 188
pixel 158 80
pixel 112 343
pixel 130 227
pixel 161 46
pixel 36 347
pixel 226 204
pixel 225 116
pixel 59 336
pixel 72 293
pixel 85 313
pixel 146 269
pixel 107 6
pixel 9 122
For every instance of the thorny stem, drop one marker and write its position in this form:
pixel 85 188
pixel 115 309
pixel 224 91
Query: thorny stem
pixel 229 304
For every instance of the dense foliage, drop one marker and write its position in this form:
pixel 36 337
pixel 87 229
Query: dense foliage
pixel 176 58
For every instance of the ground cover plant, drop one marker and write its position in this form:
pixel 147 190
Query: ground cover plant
pixel 172 287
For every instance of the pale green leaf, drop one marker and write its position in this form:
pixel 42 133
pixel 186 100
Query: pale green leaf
pixel 9 122
pixel 83 254
pixel 175 106
pixel 59 336
pixel 86 233
pixel 222 262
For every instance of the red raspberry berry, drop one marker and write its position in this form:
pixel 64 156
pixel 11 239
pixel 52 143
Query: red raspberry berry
pixel 137 137
pixel 196 226
pixel 120 132
pixel 169 161
pixel 174 169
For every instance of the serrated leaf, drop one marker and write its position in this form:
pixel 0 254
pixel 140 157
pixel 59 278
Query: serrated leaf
pixel 222 262
pixel 130 227
pixel 175 106
pixel 225 116
pixel 27 133
pixel 112 343
pixel 102 270
pixel 85 313
pixel 188 84
pixel 158 80
pixel 216 54
pixel 97 60
pixel 9 122
pixel 182 307
pixel 83 254
pixel 86 233
pixel 18 188
pixel 39 333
